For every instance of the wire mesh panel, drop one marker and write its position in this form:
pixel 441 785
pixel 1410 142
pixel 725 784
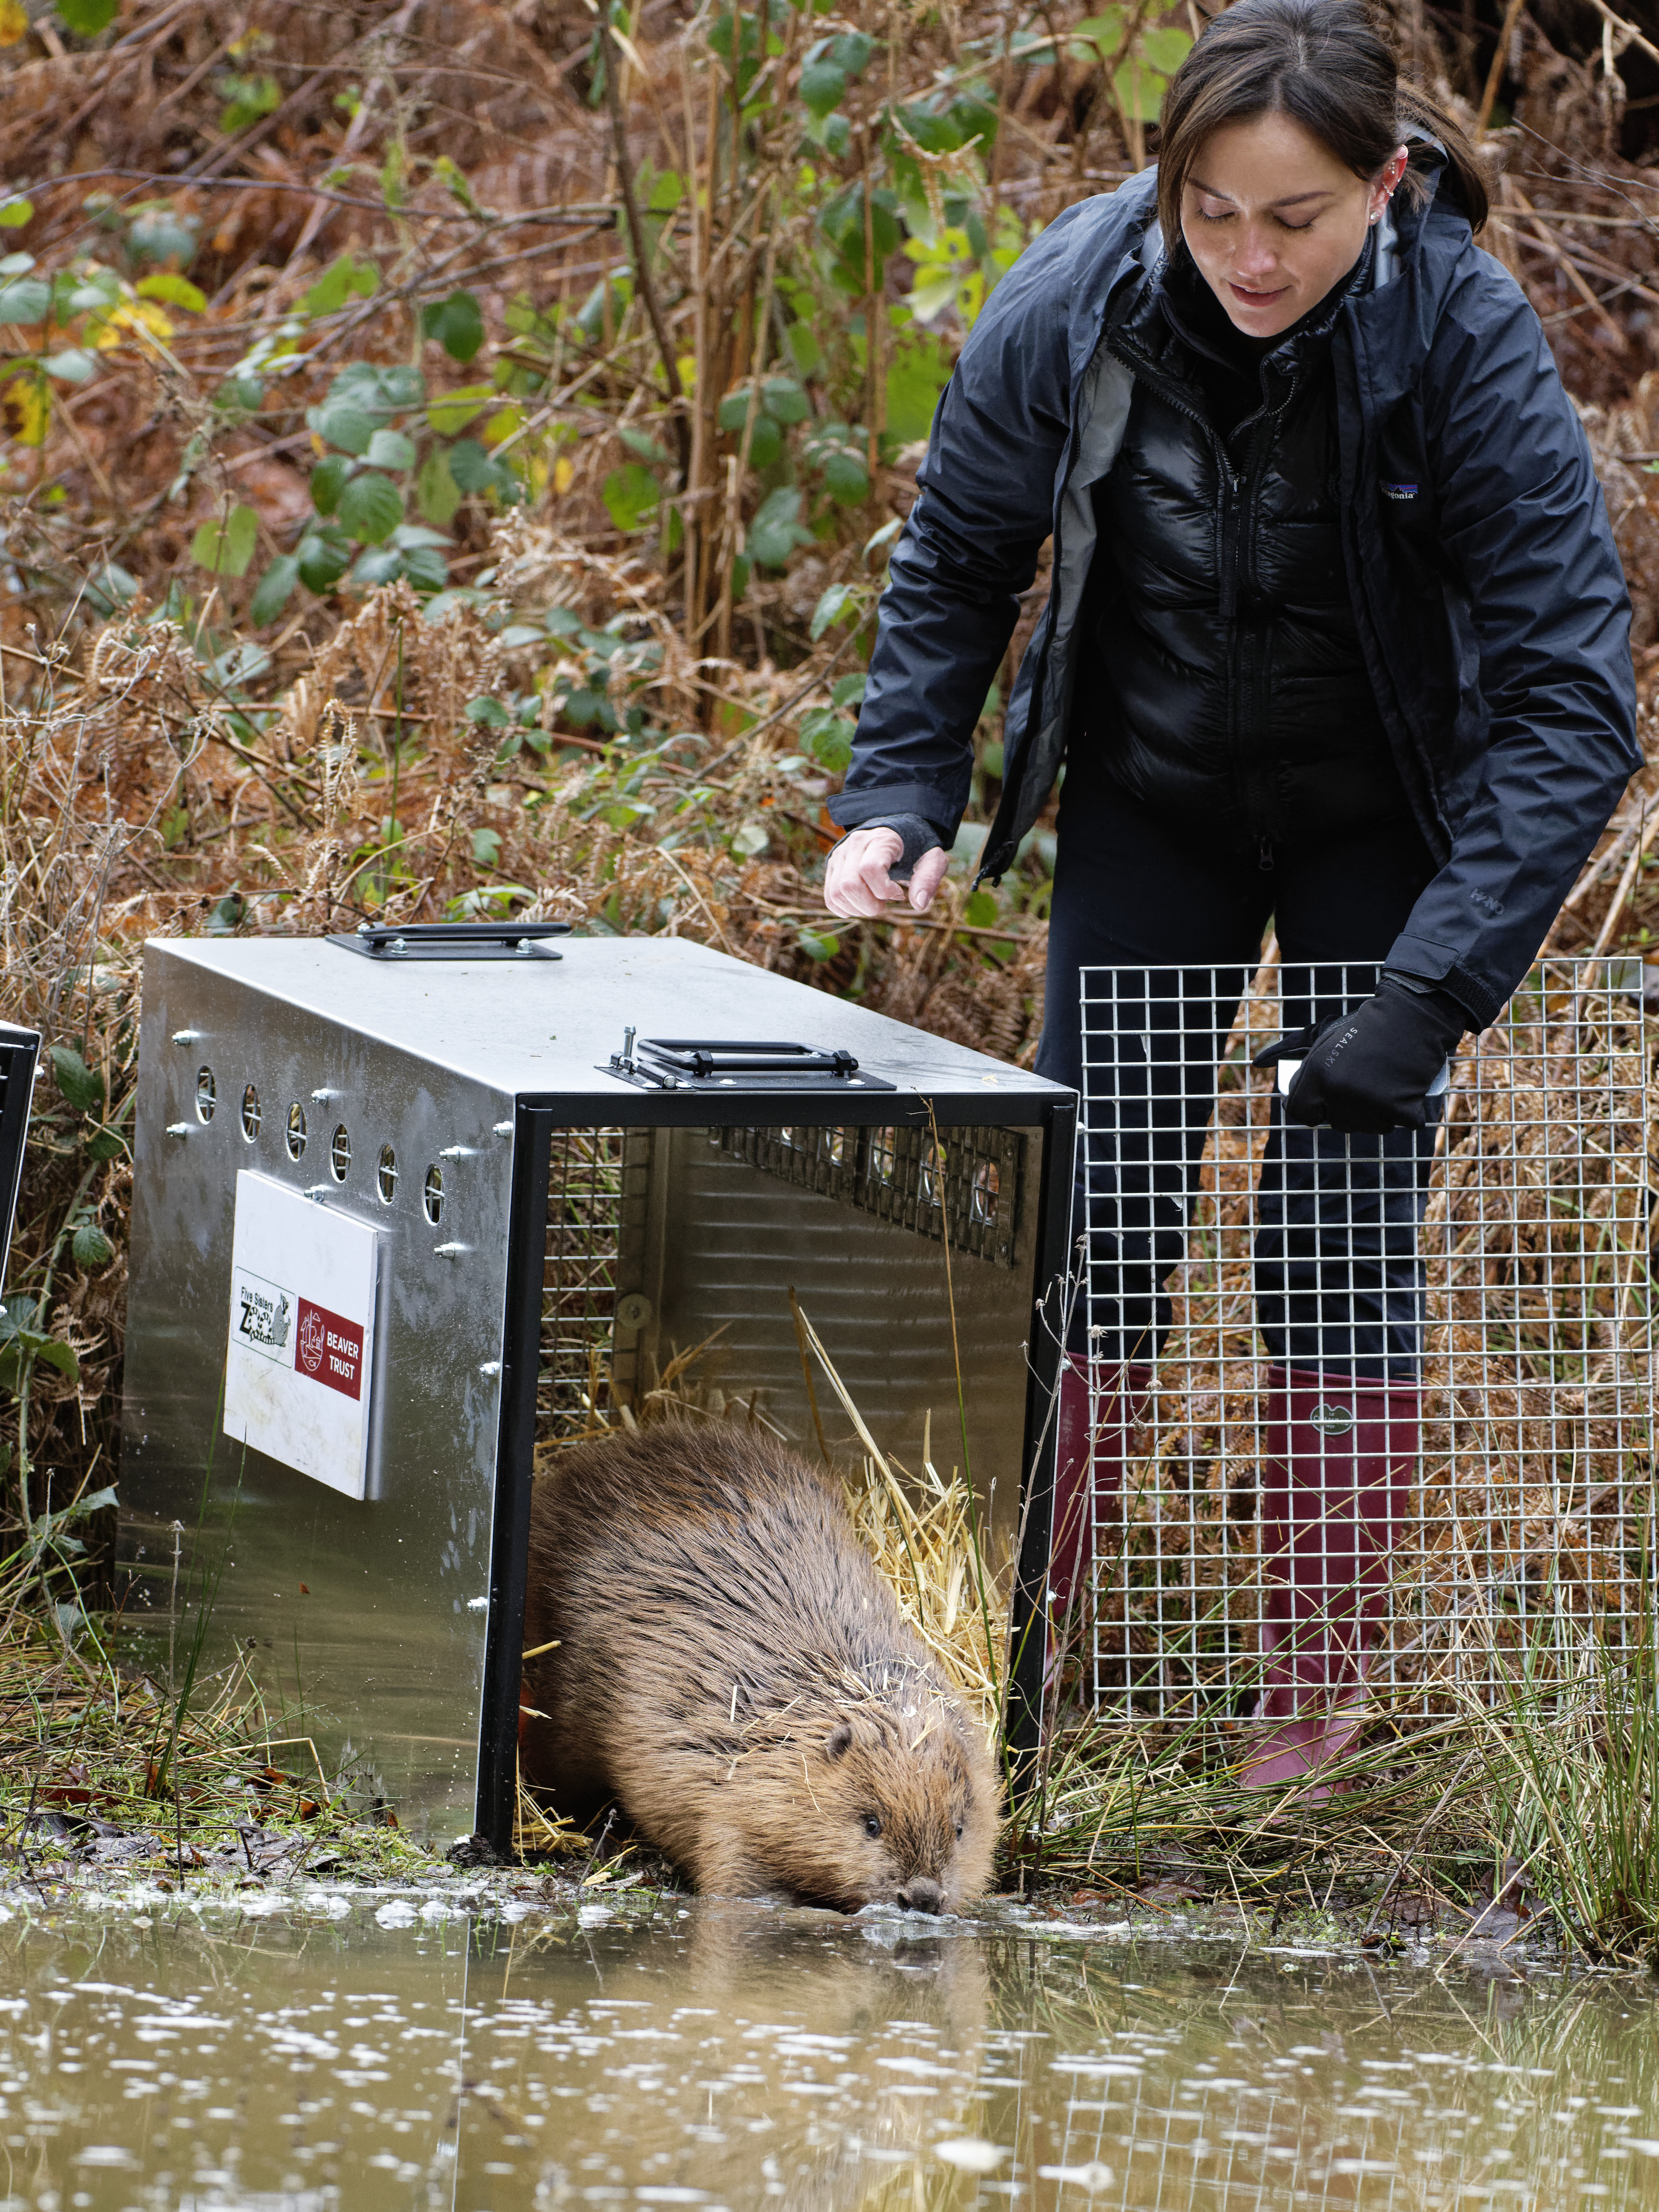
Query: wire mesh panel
pixel 1414 1371
pixel 585 1233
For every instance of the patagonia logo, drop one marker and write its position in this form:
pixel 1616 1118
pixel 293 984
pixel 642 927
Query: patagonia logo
pixel 1331 1420
pixel 1400 491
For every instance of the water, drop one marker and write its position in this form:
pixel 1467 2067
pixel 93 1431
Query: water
pixel 364 2053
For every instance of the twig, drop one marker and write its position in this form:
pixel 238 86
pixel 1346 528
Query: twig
pixel 613 66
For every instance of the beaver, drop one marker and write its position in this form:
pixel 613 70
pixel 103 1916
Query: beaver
pixel 727 1665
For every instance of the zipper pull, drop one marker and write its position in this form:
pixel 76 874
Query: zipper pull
pixel 1267 860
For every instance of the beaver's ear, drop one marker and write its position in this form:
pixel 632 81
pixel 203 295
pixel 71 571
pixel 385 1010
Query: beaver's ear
pixel 839 1740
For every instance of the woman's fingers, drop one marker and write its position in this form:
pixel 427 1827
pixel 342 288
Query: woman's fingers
pixel 857 883
pixel 926 877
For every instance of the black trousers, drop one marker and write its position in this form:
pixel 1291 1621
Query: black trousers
pixel 1337 1280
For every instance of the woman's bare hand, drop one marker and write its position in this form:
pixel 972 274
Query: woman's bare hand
pixel 857 883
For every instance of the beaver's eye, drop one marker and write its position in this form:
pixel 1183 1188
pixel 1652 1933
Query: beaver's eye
pixel 872 1825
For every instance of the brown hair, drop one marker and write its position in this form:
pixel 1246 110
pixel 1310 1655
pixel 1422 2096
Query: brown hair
pixel 1324 64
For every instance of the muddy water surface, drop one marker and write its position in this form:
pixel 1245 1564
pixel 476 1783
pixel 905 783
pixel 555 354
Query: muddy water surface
pixel 368 2052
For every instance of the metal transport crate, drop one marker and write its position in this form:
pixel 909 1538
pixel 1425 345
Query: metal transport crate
pixel 20 1056
pixel 411 1212
pixel 1520 1338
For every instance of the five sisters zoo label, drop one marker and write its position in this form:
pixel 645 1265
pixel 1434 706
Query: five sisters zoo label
pixel 298 1370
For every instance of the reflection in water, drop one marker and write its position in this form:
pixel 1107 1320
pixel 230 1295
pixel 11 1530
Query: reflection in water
pixel 727 2056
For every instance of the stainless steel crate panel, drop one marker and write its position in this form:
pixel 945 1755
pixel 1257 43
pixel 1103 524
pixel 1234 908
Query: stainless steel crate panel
pixel 380 1627
pixel 732 1240
pixel 19 1051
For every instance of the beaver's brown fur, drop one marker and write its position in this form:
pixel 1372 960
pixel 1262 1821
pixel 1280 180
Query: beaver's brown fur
pixel 729 1666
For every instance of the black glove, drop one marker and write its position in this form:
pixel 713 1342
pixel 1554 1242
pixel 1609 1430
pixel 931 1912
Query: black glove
pixel 917 836
pixel 1367 1071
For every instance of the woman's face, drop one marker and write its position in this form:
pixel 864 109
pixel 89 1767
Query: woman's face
pixel 1273 219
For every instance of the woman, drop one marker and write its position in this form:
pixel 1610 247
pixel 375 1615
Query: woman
pixel 1336 636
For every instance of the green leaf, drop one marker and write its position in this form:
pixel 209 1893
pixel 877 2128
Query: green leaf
pixel 631 495
pixel 105 1145
pixel 849 690
pixel 1165 49
pixel 851 51
pixel 91 1247
pixel 328 480
pixel 247 99
pixel 178 291
pixel 845 478
pixel 471 467
pixel 371 508
pixel 436 492
pixel 58 1354
pixel 341 277
pixel 776 529
pixel 455 409
pixel 273 589
pixel 489 713
pixel 919 372
pixel 832 608
pixel 486 848
pixel 225 546
pixel 80 1085
pixel 818 945
pixel 163 233
pixel 456 323
pixel 427 567
pixel 784 400
pixel 803 348
pixel 981 911
pixel 390 449
pixel 14 214
pixel 822 86
pixel 75 365
pixel 323 558
pixel 765 442
pixel 338 422
pixel 86 18
pixel 828 737
pixel 26 301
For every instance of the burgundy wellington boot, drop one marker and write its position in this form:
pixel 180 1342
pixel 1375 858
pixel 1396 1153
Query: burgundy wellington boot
pixel 1336 1482
pixel 1117 1397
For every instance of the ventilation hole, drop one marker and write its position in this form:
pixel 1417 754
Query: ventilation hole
pixel 432 1195
pixel 386 1176
pixel 296 1137
pixel 987 1185
pixel 207 1094
pixel 251 1115
pixel 842 1145
pixel 339 1153
pixel 884 1154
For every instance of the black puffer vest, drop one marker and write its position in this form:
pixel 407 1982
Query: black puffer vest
pixel 1229 694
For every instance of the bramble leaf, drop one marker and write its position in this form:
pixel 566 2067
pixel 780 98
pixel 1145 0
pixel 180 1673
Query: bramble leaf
pixel 371 508
pixel 456 323
pixel 225 545
pixel 81 1087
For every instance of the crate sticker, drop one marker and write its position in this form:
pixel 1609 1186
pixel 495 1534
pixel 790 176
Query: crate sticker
pixel 300 1352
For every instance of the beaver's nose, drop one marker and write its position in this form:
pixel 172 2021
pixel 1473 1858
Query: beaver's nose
pixel 922 1895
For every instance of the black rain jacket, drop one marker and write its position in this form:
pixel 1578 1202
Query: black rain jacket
pixel 1487 591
